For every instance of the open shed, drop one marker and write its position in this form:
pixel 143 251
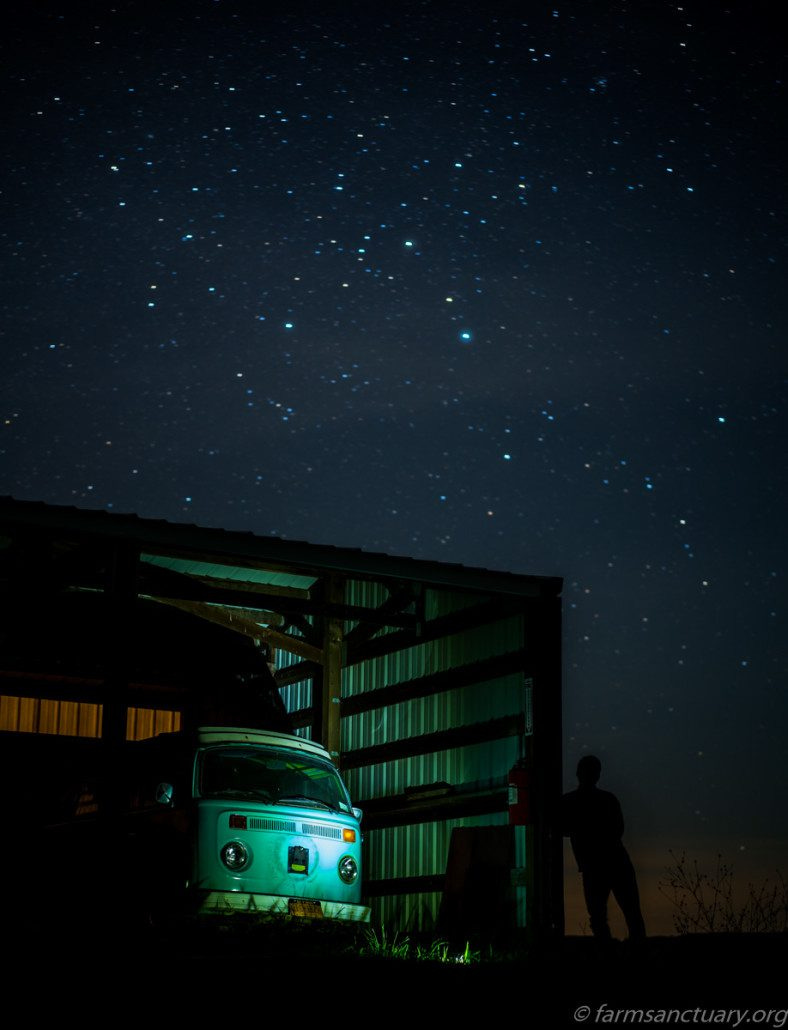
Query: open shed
pixel 428 683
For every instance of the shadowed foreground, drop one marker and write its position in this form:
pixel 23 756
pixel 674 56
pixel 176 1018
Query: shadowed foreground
pixel 324 968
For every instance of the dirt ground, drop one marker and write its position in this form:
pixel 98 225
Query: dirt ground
pixel 310 974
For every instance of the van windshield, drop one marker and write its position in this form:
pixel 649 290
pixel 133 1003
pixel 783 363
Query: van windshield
pixel 271 775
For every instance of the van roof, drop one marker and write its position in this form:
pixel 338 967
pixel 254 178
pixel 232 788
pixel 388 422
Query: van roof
pixel 238 735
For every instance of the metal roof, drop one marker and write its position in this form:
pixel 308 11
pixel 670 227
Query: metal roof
pixel 200 543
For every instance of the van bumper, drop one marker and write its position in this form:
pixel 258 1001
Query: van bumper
pixel 224 903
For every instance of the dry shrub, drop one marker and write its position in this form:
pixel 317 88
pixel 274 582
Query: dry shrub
pixel 708 902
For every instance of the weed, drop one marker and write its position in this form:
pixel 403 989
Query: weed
pixel 437 951
pixel 380 945
pixel 466 956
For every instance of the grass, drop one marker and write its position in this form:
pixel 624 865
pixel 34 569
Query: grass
pixel 380 944
pixel 299 940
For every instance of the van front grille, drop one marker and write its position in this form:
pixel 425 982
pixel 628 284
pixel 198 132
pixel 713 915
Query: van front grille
pixel 282 825
pixel 315 830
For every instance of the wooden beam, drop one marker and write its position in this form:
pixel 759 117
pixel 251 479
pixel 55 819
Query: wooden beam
pixel 455 803
pixel 243 622
pixel 304 627
pixel 437 683
pixel 466 675
pixel 302 717
pixel 393 605
pixel 442 740
pixel 305 670
pixel 245 585
pixel 295 645
pixel 434 629
pixel 404 885
pixel 332 669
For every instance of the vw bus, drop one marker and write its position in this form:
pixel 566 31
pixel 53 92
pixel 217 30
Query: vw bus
pixel 213 822
pixel 274 829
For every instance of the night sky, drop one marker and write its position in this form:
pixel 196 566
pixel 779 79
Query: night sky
pixel 502 286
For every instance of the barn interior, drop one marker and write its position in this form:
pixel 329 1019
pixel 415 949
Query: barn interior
pixel 433 686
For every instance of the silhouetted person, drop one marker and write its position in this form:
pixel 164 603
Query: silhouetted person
pixel 593 822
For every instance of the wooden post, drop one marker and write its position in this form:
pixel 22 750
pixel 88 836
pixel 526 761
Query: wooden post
pixel 332 670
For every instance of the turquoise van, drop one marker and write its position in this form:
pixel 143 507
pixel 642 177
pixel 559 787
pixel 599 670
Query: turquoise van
pixel 274 829
pixel 210 823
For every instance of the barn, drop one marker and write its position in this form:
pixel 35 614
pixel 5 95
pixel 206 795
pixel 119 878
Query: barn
pixel 435 687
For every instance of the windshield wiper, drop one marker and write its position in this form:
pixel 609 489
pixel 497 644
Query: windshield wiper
pixel 303 797
pixel 239 792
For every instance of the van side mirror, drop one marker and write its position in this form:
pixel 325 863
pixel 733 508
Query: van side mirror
pixel 164 794
pixel 357 813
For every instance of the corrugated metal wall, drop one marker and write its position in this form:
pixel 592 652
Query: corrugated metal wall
pixel 142 723
pixel 422 849
pixel 41 715
pixel 295 695
pixel 78 719
pixel 477 703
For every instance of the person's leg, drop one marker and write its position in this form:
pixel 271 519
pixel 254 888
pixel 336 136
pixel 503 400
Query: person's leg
pixel 596 890
pixel 625 891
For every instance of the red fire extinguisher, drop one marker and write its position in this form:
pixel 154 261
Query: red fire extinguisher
pixel 519 794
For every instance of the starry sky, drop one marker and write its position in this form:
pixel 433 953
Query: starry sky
pixel 493 284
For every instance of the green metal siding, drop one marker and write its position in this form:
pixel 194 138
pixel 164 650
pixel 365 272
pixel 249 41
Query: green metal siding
pixel 416 850
pixel 422 849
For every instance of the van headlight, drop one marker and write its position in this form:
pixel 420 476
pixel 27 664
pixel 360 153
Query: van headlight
pixel 234 855
pixel 347 869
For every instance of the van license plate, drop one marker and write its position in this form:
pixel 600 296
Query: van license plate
pixel 305 907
